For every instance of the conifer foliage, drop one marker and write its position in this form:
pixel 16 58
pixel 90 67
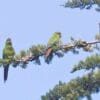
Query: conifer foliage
pixel 85 86
pixel 54 47
pixel 83 4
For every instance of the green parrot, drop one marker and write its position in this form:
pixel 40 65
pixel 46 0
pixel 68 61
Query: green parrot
pixel 8 55
pixel 55 39
pixel 53 43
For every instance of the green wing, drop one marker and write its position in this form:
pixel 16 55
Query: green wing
pixel 55 39
pixel 8 53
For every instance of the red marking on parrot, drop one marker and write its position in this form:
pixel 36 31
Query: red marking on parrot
pixel 48 52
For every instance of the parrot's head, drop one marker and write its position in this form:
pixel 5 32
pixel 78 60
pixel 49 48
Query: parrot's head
pixel 58 33
pixel 8 41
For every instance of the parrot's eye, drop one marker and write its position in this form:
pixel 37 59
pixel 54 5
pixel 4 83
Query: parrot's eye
pixel 59 33
pixel 9 42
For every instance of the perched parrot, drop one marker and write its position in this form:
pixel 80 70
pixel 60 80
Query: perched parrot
pixel 53 43
pixel 8 55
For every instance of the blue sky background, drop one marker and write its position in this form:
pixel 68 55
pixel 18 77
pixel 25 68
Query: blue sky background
pixel 30 22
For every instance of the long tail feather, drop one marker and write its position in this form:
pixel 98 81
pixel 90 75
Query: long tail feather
pixel 6 68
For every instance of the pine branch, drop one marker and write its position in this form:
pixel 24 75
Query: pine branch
pixel 82 4
pixel 64 48
pixel 91 62
pixel 75 89
pixel 35 52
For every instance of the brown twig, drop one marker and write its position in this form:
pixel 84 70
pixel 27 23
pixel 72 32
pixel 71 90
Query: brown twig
pixel 66 46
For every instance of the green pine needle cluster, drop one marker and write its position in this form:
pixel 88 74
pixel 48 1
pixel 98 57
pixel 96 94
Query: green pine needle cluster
pixel 83 4
pixel 91 62
pixel 76 89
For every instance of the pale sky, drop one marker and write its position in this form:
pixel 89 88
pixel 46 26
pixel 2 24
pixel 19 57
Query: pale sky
pixel 30 22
